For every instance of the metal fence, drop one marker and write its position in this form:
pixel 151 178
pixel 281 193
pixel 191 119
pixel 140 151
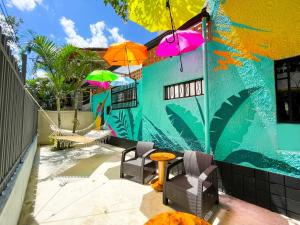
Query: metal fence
pixel 18 113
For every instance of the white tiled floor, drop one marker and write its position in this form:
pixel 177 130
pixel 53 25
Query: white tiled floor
pixel 82 187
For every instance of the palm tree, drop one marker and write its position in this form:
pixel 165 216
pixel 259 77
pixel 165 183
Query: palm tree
pixel 55 62
pixel 83 62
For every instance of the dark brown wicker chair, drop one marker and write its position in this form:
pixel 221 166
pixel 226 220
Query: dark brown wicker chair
pixel 140 166
pixel 196 188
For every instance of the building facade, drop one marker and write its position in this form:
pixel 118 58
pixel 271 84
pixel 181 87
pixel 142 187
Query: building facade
pixel 254 111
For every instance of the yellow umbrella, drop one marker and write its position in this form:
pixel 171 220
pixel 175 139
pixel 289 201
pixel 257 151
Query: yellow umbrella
pixel 268 28
pixel 154 15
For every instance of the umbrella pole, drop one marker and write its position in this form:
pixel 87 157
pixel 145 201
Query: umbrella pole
pixel 206 91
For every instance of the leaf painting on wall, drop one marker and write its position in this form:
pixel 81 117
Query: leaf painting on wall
pixel 139 126
pixel 187 125
pixel 259 160
pixel 200 110
pixel 224 114
pixel 121 124
pixel 131 122
pixel 160 138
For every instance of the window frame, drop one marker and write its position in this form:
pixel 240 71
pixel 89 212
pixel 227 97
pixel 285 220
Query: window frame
pixel 287 60
pixel 118 105
pixel 166 89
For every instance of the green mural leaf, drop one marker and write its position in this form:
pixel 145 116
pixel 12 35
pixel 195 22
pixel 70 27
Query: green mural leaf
pixel 160 139
pixel 200 110
pixel 187 125
pixel 121 124
pixel 140 131
pixel 259 160
pixel 131 121
pixel 224 114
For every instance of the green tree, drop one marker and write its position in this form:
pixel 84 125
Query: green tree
pixel 82 63
pixel 55 62
pixel 120 7
pixel 10 27
pixel 42 90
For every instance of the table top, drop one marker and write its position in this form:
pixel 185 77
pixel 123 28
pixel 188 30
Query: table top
pixel 176 218
pixel 162 156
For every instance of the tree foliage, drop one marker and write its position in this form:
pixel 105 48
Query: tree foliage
pixel 42 90
pixel 55 62
pixel 120 7
pixel 81 63
pixel 10 27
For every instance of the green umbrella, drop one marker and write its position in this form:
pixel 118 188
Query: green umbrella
pixel 101 76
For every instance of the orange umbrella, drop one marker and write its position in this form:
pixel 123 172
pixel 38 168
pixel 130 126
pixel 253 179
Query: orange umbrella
pixel 126 53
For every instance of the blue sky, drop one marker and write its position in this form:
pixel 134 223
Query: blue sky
pixel 85 23
pixel 45 17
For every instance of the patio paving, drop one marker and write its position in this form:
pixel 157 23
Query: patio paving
pixel 82 187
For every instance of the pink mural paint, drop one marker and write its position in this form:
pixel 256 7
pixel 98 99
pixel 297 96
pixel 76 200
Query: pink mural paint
pixel 113 133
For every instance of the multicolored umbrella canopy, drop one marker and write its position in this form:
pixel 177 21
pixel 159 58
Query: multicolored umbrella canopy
pixel 101 76
pixel 104 85
pixel 122 81
pixel 154 15
pixel 185 41
pixel 125 54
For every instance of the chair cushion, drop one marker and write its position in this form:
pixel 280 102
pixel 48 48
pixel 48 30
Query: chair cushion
pixel 138 162
pixel 196 162
pixel 143 147
pixel 187 183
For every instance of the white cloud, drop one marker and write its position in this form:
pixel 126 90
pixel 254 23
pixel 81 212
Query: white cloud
pixel 115 36
pixel 98 34
pixel 24 5
pixel 98 38
pixel 40 74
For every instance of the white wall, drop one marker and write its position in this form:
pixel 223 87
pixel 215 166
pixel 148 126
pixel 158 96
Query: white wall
pixel 85 119
pixel 12 200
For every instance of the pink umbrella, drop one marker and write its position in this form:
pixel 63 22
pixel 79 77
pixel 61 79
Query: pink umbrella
pixel 185 41
pixel 104 85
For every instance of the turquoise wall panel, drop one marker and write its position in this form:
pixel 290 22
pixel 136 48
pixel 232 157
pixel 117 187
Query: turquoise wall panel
pixel 173 124
pixel 288 137
pixel 125 123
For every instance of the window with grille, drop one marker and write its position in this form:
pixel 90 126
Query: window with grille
pixel 123 97
pixel 184 89
pixel 287 78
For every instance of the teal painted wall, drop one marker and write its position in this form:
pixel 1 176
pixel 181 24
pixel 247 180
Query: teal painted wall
pixel 288 137
pixel 174 124
pixel 243 122
pixel 126 123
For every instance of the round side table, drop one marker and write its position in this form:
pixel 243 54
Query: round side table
pixel 162 158
pixel 176 218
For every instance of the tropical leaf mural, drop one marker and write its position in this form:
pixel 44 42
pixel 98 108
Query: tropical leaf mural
pixel 224 114
pixel 187 125
pixel 160 138
pixel 131 122
pixel 121 124
pixel 200 110
pixel 259 160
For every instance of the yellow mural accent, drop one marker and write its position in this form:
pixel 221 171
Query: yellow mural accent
pixel 269 28
pixel 228 60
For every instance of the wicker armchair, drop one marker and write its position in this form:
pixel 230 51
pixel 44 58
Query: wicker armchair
pixel 140 166
pixel 196 188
